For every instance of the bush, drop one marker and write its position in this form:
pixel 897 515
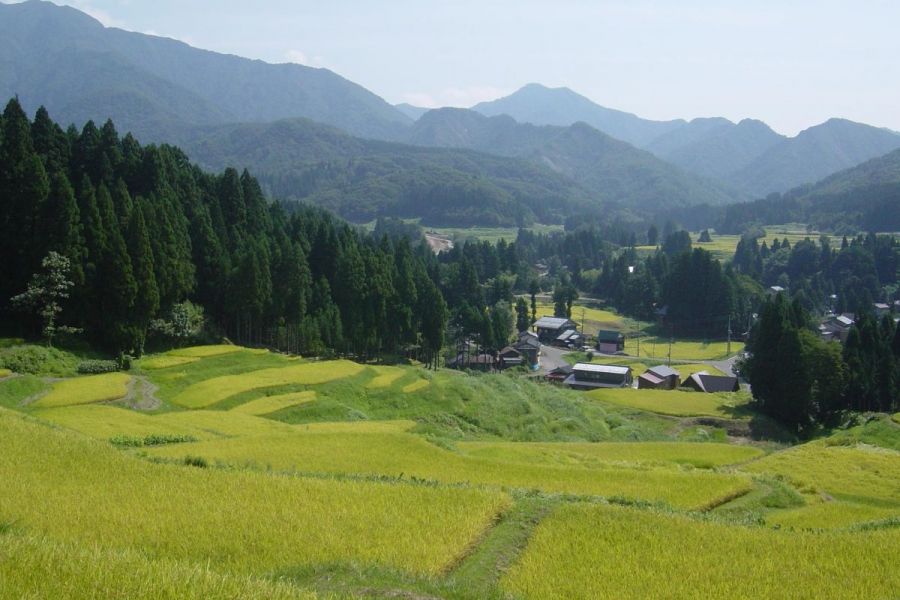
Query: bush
pixel 124 361
pixel 38 360
pixel 97 367
pixel 128 441
pixel 196 461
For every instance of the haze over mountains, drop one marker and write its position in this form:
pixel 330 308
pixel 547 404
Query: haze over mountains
pixel 539 153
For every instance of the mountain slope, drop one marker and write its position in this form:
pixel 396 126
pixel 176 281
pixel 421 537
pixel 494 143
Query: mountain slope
pixel 608 167
pixel 362 179
pixel 814 154
pixel 413 112
pixel 44 46
pixel 541 105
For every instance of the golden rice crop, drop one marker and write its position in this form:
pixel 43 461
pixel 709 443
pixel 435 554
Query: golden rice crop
pixel 270 404
pixel 86 390
pixel 216 389
pixel 396 426
pixel 37 567
pixel 5 373
pixel 415 386
pixel 104 422
pixel 658 348
pixel 165 361
pixel 829 515
pixel 77 490
pixel 563 453
pixel 392 454
pixel 222 423
pixel 386 376
pixel 865 474
pixel 595 551
pixel 673 402
pixel 205 351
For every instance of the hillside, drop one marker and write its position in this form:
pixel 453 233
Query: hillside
pixel 541 105
pixel 80 70
pixel 865 197
pixel 413 112
pixel 608 167
pixel 363 179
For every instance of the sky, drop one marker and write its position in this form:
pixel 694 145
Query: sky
pixel 790 63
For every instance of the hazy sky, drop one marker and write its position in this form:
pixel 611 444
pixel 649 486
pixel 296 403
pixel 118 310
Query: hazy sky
pixel 790 63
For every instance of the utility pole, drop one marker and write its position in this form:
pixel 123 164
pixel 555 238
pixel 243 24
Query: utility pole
pixel 669 361
pixel 729 335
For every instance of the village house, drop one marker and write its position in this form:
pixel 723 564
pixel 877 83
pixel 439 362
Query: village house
pixel 704 382
pixel 569 338
pixel 881 309
pixel 559 374
pixel 550 328
pixel 529 346
pixel 836 328
pixel 659 378
pixel 610 342
pixel 587 376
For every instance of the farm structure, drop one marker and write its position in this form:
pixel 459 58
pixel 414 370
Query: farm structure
pixel 550 328
pixel 659 378
pixel 569 339
pixel 704 382
pixel 559 374
pixel 610 342
pixel 587 376
pixel 836 328
pixel 529 346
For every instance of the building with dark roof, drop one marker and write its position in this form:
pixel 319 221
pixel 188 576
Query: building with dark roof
pixel 529 346
pixel 659 378
pixel 704 382
pixel 559 374
pixel 586 376
pixel 550 328
pixel 610 342
pixel 569 338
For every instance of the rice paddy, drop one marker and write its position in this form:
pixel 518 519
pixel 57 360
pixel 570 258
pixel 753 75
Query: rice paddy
pixel 5 373
pixel 385 376
pixel 591 551
pixel 675 403
pixel 416 386
pixel 205 351
pixel 86 390
pixel 269 404
pixel 167 362
pixel 830 515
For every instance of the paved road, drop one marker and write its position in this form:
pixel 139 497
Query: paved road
pixel 552 357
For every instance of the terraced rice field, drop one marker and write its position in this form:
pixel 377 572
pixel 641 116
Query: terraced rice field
pixel 167 362
pixel 211 391
pixel 206 351
pixel 269 404
pixel 591 551
pixel 830 515
pixel 416 386
pixel 385 376
pixel 687 350
pixel 673 402
pixel 86 390
pixel 651 453
pixel 114 501
pixel 393 455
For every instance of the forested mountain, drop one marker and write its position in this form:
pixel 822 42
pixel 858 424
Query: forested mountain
pixel 614 170
pixel 413 112
pixel 865 197
pixel 364 179
pixel 137 231
pixel 541 105
pixel 63 59
pixel 813 154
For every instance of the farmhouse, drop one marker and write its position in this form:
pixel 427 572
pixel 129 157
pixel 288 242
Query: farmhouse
pixel 586 376
pixel 477 362
pixel 659 378
pixel 529 347
pixel 509 357
pixel 550 328
pixel 704 382
pixel 569 338
pixel 881 309
pixel 836 328
pixel 559 374
pixel 610 342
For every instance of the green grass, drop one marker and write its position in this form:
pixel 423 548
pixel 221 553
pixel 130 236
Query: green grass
pixel 86 390
pixel 39 360
pixel 393 455
pixel 880 431
pixel 15 390
pixel 5 373
pixel 674 402
pixel 211 391
pixel 270 404
pixel 75 490
pixel 686 350
pixel 638 453
pixel 591 551
pixel 38 567
pixel 858 474
pixel 385 377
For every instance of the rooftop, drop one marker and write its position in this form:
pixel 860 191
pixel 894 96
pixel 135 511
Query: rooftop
pixel 611 369
pixel 552 322
pixel 663 371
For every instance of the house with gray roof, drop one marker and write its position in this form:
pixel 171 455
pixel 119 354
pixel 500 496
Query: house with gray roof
pixel 659 378
pixel 586 376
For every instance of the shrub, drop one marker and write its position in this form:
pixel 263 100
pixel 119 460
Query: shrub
pixel 38 360
pixel 196 461
pixel 97 367
pixel 156 439
pixel 124 361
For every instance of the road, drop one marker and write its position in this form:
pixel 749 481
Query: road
pixel 552 357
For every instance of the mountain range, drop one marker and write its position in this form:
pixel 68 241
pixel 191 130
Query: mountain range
pixel 310 134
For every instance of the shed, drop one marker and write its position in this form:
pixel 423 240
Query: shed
pixel 659 378
pixel 704 382
pixel 586 376
pixel 509 357
pixel 610 342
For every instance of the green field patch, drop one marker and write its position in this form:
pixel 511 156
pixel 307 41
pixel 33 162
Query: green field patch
pixel 396 426
pixel 206 351
pixel 38 567
pixel 74 490
pixel 861 474
pixel 269 404
pixel 16 390
pixel 596 551
pixel 393 455
pixel 167 362
pixel 211 391
pixel 638 367
pixel 415 386
pixel 830 515
pixel 702 455
pixel 674 402
pixel 86 390
pixel 385 377
pixel 657 348
pixel 5 373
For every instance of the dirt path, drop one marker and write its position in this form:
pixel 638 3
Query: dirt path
pixel 141 394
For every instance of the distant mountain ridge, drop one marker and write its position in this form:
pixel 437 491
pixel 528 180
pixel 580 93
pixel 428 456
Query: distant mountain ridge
pixel 746 156
pixel 611 168
pixel 66 60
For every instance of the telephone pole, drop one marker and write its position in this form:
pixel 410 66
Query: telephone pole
pixel 729 335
